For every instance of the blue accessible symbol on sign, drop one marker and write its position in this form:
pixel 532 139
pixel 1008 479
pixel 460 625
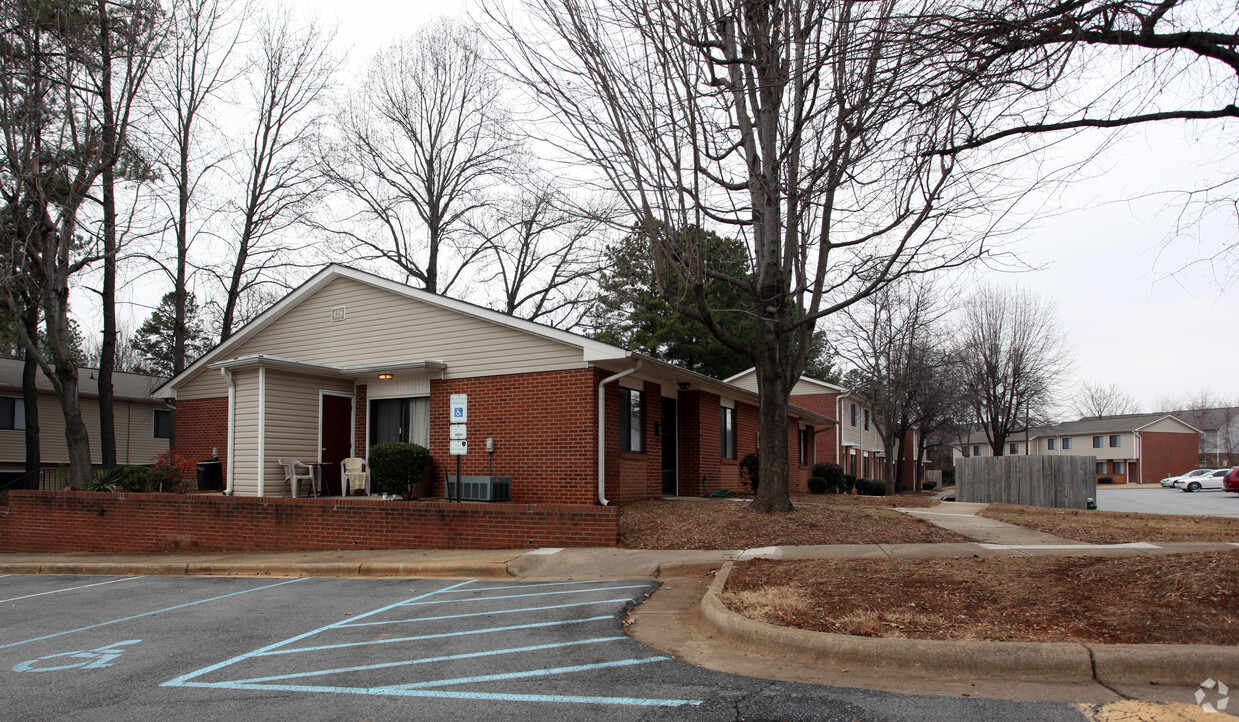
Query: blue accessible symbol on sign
pixel 85 659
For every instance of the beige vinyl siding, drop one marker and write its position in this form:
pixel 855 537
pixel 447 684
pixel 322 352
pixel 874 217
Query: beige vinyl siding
pixel 135 442
pixel 292 421
pixel 748 382
pixel 245 437
pixel 206 384
pixel 383 327
pixel 1167 426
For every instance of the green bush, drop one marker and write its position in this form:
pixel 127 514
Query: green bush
pixel 833 475
pixel 396 465
pixel 868 487
pixel 1105 480
pixel 849 481
pixel 817 485
pixel 748 465
pixel 929 485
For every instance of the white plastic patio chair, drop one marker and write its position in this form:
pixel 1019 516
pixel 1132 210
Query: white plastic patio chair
pixel 294 475
pixel 354 475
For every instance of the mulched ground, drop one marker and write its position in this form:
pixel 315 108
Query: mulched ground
pixel 1179 599
pixel 1112 527
pixel 723 524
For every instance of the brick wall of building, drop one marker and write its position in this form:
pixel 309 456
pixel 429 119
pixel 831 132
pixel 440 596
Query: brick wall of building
pixel 1163 454
pixel 827 439
pixel 544 430
pixel 202 428
pixel 37 521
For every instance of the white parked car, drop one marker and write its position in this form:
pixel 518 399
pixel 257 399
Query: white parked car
pixel 1169 481
pixel 1212 480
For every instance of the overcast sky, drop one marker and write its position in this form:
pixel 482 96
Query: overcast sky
pixel 1130 311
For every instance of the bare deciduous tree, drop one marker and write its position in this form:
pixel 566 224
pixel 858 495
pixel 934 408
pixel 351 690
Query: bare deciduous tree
pixel 889 339
pixel 1012 354
pixel 196 68
pixel 544 252
pixel 292 70
pixel 802 127
pixel 1093 401
pixel 416 149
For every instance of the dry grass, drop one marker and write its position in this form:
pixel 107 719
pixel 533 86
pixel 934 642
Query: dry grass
pixel 902 501
pixel 723 524
pixel 1111 527
pixel 1179 599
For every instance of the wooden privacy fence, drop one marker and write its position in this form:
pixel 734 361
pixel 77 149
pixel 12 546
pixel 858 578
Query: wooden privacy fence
pixel 934 475
pixel 1064 482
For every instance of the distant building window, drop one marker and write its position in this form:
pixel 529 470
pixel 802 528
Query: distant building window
pixel 853 414
pixel 630 422
pixel 1013 449
pixel 1116 441
pixel 12 413
pixel 1119 467
pixel 866 419
pixel 1101 467
pixel 976 450
pixel 729 433
pixel 1099 442
pixel 163 424
pixel 1066 443
pixel 1051 444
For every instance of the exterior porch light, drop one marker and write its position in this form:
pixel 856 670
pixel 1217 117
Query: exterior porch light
pixel 386 377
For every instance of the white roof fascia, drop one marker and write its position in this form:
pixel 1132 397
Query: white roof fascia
pixel 807 379
pixel 326 369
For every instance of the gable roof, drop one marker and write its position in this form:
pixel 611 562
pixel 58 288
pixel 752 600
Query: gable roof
pixel 825 386
pixel 1086 427
pixel 591 350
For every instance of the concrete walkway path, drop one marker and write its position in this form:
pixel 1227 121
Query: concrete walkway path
pixel 961 517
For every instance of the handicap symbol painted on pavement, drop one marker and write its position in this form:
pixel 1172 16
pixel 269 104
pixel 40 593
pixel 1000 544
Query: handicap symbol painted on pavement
pixel 85 659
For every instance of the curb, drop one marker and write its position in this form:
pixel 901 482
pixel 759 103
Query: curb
pixel 1023 661
pixel 488 570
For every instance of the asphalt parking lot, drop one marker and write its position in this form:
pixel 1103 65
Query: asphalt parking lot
pixel 1157 500
pixel 160 648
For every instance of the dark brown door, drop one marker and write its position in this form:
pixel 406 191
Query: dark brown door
pixel 336 441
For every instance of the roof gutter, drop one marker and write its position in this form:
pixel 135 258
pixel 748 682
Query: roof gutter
pixel 602 430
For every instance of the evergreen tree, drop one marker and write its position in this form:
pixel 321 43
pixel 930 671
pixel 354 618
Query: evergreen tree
pixel 153 339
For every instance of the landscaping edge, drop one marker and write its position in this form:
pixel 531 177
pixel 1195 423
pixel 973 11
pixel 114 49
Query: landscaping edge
pixel 1032 661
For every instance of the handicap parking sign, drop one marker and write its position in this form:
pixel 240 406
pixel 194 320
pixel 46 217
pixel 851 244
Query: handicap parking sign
pixel 460 408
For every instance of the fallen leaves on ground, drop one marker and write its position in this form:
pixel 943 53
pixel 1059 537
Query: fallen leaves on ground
pixel 1113 527
pixel 1173 599
pixel 724 524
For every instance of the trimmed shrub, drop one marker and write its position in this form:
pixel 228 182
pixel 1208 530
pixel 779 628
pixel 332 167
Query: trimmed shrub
pixel 396 465
pixel 849 481
pixel 748 477
pixel 869 487
pixel 817 485
pixel 929 485
pixel 833 475
pixel 1105 480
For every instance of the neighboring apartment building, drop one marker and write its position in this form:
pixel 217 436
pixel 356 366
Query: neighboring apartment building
pixel 143 424
pixel 855 442
pixel 1140 448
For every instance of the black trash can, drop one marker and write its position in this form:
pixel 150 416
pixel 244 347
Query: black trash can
pixel 210 476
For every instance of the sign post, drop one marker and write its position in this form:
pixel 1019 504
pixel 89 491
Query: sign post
pixel 458 434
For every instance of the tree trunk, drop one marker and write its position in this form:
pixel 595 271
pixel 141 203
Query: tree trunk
pixel 30 392
pixel 107 349
pixel 772 391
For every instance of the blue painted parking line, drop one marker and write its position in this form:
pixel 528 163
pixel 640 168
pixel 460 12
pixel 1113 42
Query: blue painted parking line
pixel 423 637
pixel 147 614
pixel 299 679
pixel 428 660
pixel 522 610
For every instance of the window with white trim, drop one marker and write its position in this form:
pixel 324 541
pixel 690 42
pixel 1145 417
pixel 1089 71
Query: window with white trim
pixel 1116 441
pixel 12 413
pixel 631 423
pixel 1066 443
pixel 1099 442
pixel 729 433
pixel 162 423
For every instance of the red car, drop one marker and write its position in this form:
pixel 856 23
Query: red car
pixel 1230 482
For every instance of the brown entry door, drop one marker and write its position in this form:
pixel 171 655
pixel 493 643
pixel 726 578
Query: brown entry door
pixel 336 417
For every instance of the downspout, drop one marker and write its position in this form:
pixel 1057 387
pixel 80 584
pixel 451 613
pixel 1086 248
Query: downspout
pixel 232 411
pixel 262 430
pixel 1136 453
pixel 602 431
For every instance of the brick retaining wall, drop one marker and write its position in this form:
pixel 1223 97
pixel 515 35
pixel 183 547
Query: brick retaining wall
pixel 36 521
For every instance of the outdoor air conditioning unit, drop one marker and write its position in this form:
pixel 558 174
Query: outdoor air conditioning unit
pixel 481 488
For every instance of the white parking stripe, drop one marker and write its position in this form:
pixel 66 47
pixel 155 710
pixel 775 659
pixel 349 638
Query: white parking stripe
pixel 69 589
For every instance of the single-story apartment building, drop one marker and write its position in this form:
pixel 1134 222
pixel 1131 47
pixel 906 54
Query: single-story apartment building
pixel 143 423
pixel 1136 448
pixel 349 359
